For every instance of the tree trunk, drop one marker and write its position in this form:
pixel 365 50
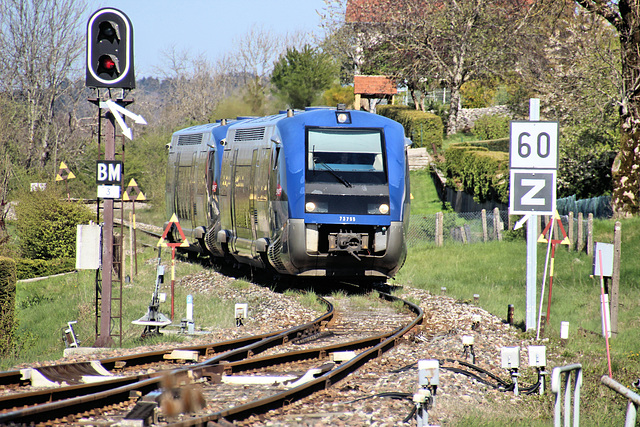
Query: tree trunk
pixel 454 108
pixel 626 167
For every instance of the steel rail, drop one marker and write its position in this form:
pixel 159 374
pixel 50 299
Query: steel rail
pixel 323 382
pixel 47 402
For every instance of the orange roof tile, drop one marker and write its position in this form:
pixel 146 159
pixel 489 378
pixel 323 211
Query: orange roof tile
pixel 374 85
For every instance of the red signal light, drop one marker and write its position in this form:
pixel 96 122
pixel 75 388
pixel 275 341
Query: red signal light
pixel 107 63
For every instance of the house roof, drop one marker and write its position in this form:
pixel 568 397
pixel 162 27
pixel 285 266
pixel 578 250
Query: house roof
pixel 374 85
pixel 367 11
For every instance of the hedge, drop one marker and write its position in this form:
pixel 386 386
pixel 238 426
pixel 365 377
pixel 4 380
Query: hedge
pixel 8 322
pixel 424 129
pixel 30 268
pixel 480 172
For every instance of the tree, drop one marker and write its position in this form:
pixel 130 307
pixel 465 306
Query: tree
pixel 41 41
pixel 301 75
pixel 450 42
pixel 624 16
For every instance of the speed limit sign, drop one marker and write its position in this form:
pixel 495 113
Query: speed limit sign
pixel 533 161
pixel 534 145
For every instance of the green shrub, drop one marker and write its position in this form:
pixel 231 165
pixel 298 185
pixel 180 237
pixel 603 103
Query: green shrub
pixel 46 225
pixel 478 171
pixel 338 94
pixel 424 129
pixel 8 322
pixel 30 268
pixel 491 127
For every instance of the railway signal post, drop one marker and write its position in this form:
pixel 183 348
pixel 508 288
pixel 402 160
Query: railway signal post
pixel 109 67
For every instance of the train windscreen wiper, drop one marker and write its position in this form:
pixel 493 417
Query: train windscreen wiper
pixel 332 172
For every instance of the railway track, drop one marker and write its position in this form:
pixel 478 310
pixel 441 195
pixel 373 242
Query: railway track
pixel 297 349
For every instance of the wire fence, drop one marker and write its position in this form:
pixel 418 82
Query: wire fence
pixel 484 226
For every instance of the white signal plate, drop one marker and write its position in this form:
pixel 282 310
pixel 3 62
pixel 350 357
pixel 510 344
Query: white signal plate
pixel 108 191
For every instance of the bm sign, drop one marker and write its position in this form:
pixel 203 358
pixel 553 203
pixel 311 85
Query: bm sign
pixel 109 172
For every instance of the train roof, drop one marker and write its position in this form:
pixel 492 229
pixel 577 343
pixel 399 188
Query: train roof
pixel 321 115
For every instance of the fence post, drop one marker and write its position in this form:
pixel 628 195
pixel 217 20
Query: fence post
pixel 571 236
pixel 497 224
pixel 439 229
pixel 580 243
pixel 615 279
pixel 590 234
pixel 485 235
pixel 556 387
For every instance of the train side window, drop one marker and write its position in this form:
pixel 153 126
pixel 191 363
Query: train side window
pixel 274 157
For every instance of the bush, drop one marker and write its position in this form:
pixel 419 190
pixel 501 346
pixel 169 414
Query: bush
pixel 46 225
pixel 480 172
pixel 338 94
pixel 586 155
pixel 424 129
pixel 30 268
pixel 491 127
pixel 8 322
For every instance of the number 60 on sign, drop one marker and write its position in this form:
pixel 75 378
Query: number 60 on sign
pixel 534 145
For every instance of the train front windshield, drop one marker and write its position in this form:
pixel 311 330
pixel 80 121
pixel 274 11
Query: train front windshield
pixel 346 172
pixel 355 155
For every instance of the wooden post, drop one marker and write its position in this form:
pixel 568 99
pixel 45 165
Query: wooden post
pixel 615 279
pixel 580 243
pixel 590 234
pixel 131 247
pixel 497 224
pixel 439 229
pixel 571 236
pixel 485 235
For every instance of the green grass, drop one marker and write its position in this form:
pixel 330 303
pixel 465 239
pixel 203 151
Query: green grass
pixel 497 272
pixel 44 307
pixel 425 199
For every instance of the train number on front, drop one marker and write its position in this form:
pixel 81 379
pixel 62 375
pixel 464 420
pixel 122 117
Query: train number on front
pixel 347 219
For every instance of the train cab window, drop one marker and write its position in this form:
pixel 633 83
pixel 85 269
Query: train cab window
pixel 356 153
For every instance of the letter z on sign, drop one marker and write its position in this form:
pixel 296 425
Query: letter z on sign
pixel 532 191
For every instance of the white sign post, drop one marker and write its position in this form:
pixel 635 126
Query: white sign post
pixel 533 164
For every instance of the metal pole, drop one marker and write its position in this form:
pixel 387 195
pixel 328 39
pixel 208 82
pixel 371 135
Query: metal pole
pixel 532 239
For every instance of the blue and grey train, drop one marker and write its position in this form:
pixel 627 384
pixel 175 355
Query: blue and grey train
pixel 320 192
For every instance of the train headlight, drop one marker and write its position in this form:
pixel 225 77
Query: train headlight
pixel 316 207
pixel 343 117
pixel 381 209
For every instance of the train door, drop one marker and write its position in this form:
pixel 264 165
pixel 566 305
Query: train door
pixel 253 211
pixel 225 190
pixel 193 205
pixel 262 192
pixel 241 205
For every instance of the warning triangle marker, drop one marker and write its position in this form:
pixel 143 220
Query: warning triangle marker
pixel 543 239
pixel 64 173
pixel 163 242
pixel 133 193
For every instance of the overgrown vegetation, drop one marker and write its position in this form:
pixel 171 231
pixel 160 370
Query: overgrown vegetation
pixel 47 225
pixel 7 305
pixel 482 173
pixel 424 129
